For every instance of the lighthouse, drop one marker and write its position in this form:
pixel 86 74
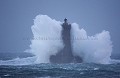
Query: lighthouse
pixel 65 55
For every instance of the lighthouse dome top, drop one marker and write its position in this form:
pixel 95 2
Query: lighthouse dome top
pixel 65 20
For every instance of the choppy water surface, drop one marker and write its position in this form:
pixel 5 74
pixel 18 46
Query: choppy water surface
pixel 60 71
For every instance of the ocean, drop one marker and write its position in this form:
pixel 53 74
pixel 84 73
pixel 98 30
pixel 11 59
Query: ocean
pixel 47 70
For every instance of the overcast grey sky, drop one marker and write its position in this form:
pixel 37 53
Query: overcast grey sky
pixel 16 19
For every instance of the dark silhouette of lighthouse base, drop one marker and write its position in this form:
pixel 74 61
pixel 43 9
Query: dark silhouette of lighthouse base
pixel 65 55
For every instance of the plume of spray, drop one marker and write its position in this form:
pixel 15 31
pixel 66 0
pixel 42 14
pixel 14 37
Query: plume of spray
pixel 96 49
pixel 46 41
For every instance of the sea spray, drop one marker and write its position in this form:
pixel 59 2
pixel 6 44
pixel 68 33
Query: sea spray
pixel 96 49
pixel 49 43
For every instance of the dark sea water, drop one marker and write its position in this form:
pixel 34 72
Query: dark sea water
pixel 83 70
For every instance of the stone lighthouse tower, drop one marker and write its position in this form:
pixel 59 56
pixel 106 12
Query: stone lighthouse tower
pixel 65 55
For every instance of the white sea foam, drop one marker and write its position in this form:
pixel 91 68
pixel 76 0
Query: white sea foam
pixel 48 32
pixel 96 49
